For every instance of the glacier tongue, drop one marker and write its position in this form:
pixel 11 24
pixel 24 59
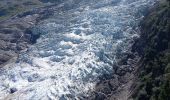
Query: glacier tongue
pixel 79 43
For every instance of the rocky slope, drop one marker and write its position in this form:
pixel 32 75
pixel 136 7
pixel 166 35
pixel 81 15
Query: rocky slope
pixel 153 82
pixel 17 17
pixel 15 34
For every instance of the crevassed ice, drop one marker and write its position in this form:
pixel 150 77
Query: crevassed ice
pixel 77 46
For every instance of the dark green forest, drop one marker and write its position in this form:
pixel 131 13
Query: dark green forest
pixel 154 48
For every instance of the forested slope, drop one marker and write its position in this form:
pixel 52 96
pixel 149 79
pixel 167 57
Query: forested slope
pixel 154 48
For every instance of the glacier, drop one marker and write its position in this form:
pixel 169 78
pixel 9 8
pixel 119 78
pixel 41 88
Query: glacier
pixel 80 42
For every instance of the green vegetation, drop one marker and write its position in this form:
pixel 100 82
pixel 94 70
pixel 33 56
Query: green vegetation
pixel 9 8
pixel 13 7
pixel 154 82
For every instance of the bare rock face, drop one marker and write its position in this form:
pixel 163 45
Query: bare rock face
pixel 16 34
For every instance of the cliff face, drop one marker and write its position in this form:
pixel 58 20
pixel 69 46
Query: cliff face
pixel 154 49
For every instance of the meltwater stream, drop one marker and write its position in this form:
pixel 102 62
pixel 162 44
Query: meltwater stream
pixel 78 44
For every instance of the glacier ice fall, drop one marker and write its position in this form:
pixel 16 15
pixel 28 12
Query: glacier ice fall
pixel 79 43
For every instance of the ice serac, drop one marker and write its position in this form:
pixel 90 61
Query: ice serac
pixel 78 44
